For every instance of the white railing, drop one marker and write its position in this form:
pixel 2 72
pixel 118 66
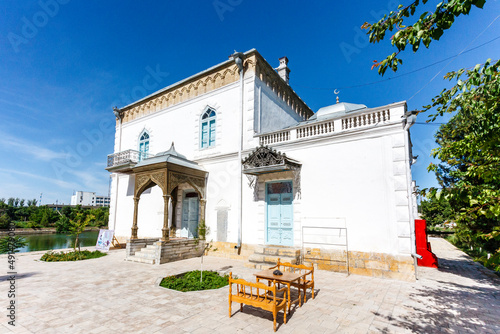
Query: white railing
pixel 366 119
pixel 126 157
pixel 326 127
pixel 276 137
pixel 315 129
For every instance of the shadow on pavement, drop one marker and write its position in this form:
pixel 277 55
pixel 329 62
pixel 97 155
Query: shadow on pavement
pixel 18 276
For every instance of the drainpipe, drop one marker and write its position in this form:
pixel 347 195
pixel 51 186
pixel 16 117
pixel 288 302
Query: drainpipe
pixel 238 59
pixel 119 117
pixel 411 118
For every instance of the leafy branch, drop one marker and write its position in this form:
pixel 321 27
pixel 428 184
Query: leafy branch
pixel 429 26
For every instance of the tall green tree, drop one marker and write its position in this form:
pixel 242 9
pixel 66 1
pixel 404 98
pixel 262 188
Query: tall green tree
pixel 436 211
pixel 469 144
pixel 78 225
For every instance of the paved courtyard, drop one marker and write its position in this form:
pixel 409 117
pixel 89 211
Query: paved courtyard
pixel 109 295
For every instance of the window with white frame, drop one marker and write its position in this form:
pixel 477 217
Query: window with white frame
pixel 143 145
pixel 208 122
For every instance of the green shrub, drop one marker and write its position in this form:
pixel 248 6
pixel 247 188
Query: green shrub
pixel 190 281
pixel 52 256
pixel 10 244
pixel 20 224
pixel 63 224
pixel 4 221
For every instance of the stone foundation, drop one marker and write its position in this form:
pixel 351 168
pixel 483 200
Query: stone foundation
pixel 175 250
pixel 153 251
pixel 227 250
pixel 360 263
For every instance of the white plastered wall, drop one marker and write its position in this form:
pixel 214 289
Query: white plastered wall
pixel 356 178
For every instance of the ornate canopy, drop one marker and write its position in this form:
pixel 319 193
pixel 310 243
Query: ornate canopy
pixel 168 170
pixel 264 160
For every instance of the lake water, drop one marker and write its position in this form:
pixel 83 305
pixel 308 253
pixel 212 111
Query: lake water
pixel 37 242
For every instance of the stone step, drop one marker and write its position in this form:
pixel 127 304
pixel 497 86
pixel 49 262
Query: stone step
pixel 143 255
pixel 270 260
pixel 140 260
pixel 147 251
pixel 277 251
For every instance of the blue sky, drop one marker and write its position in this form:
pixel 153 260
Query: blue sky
pixel 66 63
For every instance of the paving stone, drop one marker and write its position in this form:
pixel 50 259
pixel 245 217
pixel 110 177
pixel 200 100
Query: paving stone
pixel 112 295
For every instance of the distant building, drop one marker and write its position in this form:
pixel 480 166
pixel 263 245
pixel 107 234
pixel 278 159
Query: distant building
pixel 102 201
pixel 87 198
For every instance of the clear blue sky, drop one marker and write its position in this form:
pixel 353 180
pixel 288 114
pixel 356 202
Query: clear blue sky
pixel 64 67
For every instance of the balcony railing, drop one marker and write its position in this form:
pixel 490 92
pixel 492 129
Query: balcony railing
pixel 327 127
pixel 126 157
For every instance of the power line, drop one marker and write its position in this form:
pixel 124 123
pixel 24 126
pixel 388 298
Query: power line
pixel 433 123
pixel 463 51
pixel 404 74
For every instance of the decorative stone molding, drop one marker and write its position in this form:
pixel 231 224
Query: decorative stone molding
pixel 218 77
pixel 188 90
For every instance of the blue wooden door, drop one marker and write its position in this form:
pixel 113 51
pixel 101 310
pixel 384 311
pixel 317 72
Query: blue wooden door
pixel 189 227
pixel 273 219
pixel 279 198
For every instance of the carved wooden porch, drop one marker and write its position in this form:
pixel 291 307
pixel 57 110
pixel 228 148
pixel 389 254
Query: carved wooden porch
pixel 167 170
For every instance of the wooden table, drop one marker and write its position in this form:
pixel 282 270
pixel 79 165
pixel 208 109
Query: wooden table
pixel 287 278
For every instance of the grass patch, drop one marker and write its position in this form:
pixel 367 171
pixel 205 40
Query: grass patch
pixel 52 256
pixel 190 281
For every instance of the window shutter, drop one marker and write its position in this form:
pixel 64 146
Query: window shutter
pixel 212 133
pixel 204 134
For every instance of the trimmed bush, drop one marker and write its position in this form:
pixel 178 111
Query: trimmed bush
pixel 190 281
pixel 52 256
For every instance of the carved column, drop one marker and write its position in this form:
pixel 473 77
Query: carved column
pixel 173 227
pixel 203 204
pixel 134 224
pixel 165 230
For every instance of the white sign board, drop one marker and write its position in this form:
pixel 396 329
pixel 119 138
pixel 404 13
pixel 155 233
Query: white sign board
pixel 104 240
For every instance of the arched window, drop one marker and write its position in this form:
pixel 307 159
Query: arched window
pixel 143 145
pixel 208 128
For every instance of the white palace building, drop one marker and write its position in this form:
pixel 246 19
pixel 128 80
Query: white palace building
pixel 234 148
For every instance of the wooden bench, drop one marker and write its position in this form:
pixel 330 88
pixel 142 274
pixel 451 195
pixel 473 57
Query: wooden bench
pixel 307 279
pixel 258 295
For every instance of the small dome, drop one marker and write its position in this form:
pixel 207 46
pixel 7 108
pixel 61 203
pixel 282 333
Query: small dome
pixel 338 109
pixel 171 152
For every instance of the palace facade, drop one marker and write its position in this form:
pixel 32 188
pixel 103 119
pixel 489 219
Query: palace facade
pixel 235 149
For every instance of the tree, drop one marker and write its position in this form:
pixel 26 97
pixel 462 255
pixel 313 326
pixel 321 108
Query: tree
pixel 43 216
pixel 62 225
pixel 469 151
pixel 78 225
pixel 469 145
pixel 4 221
pixel 430 26
pixel 436 211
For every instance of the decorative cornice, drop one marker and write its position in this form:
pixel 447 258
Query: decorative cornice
pixel 197 85
pixel 214 78
pixel 272 79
